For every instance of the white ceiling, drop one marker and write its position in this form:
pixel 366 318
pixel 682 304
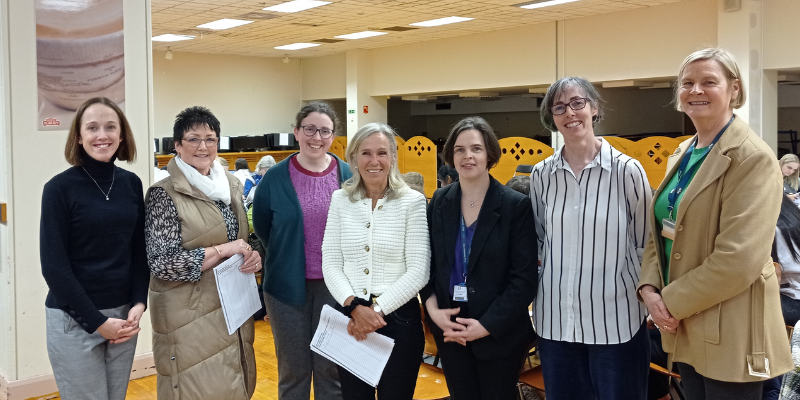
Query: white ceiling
pixel 349 16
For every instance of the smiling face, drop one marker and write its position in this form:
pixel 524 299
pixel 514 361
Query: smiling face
pixel 789 168
pixel 469 155
pixel 100 132
pixel 374 160
pixel 314 147
pixel 202 156
pixel 705 93
pixel 574 124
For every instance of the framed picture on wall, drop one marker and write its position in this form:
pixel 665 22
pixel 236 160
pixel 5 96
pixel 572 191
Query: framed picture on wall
pixel 80 54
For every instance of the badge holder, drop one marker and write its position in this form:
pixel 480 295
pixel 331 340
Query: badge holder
pixel 460 292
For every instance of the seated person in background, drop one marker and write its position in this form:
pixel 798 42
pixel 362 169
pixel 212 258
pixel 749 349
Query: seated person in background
pixel 521 184
pixel 790 168
pixel 447 175
pixel 264 164
pixel 158 174
pixel 242 170
pixel 415 181
pixel 224 163
pixel 785 252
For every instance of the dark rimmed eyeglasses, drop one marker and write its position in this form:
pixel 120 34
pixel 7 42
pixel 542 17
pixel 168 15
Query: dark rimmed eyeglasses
pixel 195 142
pixel 576 104
pixel 311 130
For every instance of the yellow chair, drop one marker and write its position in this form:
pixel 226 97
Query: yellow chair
pixel 516 151
pixel 419 155
pixel 400 155
pixel 652 153
pixel 339 147
pixel 619 143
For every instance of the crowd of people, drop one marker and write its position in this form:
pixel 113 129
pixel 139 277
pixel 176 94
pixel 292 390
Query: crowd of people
pixel 611 269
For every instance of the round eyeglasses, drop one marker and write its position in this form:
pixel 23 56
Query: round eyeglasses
pixel 195 142
pixel 576 104
pixel 311 130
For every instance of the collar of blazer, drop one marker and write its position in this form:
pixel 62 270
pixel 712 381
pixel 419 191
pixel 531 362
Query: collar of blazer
pixel 715 164
pixel 450 214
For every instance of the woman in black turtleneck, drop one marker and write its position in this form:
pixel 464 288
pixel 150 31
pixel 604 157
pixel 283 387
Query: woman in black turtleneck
pixel 93 257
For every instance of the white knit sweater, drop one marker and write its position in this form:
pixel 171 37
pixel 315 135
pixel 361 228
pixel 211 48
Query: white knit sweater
pixel 383 252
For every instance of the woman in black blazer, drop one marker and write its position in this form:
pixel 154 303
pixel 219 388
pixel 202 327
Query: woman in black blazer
pixel 479 314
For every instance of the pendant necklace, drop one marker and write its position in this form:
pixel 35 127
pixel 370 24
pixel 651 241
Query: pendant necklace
pixel 113 174
pixel 471 204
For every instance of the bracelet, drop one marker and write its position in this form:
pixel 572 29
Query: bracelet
pixel 357 301
pixel 218 252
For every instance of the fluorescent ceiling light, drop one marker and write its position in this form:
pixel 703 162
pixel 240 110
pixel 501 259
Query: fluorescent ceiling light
pixel 441 21
pixel 297 46
pixel 225 23
pixel 360 35
pixel 168 37
pixel 546 4
pixel 296 5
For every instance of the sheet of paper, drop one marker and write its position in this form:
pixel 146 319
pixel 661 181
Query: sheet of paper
pixel 284 139
pixel 365 359
pixel 238 292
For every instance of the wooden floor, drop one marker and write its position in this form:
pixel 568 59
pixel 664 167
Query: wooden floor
pixel 267 363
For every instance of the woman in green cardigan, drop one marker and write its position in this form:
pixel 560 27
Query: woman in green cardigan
pixel 290 210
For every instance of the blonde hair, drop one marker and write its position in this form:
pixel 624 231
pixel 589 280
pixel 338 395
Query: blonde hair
pixel 354 187
pixel 794 179
pixel 728 64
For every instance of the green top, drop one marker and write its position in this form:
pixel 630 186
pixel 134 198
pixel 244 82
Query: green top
pixel 662 208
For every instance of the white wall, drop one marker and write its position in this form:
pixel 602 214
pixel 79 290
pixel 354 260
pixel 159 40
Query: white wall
pixel 640 43
pixel 506 58
pixel 324 77
pixel 7 332
pixel 781 48
pixel 45 150
pixel 249 95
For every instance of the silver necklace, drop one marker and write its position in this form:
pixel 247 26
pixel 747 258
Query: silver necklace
pixel 113 174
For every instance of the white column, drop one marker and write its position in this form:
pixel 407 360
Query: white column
pixel 740 32
pixel 362 108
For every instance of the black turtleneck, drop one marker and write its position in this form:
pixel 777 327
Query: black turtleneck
pixel 92 250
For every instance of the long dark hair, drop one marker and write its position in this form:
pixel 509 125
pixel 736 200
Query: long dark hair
pixel 789 227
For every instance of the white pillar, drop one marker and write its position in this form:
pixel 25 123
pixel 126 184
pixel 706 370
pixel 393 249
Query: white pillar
pixel 362 108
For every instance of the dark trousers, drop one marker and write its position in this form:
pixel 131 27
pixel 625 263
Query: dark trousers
pixel 400 375
pixel 791 310
pixel 596 371
pixel 657 383
pixel 698 387
pixel 470 378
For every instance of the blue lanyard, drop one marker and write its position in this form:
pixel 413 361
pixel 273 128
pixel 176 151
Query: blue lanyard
pixel 685 175
pixel 465 247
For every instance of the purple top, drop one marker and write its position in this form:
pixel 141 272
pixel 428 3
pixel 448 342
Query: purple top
pixel 457 274
pixel 314 190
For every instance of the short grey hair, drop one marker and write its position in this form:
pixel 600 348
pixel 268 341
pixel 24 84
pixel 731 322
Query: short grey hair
pixel 554 92
pixel 728 64
pixel 354 187
pixel 265 162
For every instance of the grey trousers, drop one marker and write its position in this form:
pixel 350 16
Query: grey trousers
pixel 87 366
pixel 293 328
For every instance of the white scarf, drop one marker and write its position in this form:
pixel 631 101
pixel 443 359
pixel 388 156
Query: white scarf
pixel 215 185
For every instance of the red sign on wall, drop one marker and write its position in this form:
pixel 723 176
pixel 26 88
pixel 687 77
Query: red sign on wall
pixel 366 109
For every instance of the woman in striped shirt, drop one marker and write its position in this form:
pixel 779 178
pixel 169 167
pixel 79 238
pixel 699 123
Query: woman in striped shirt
pixel 589 203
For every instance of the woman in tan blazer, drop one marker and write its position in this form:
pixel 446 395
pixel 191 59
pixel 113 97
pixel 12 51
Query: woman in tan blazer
pixel 707 275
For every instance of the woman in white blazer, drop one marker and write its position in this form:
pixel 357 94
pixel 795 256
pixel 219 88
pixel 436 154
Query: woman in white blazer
pixel 376 258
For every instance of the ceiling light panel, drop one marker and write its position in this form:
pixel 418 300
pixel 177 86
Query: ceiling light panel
pixel 442 21
pixel 296 6
pixel 225 23
pixel 546 4
pixel 360 35
pixel 168 37
pixel 297 46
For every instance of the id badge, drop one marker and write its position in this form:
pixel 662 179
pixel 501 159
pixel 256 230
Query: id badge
pixel 668 228
pixel 460 292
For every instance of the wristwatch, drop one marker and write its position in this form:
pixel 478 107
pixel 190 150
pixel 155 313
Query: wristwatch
pixel 377 309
